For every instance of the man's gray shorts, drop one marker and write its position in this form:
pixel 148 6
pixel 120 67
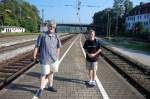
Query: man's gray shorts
pixel 91 65
pixel 45 69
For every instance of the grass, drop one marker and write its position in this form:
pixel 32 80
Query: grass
pixel 138 45
pixel 128 43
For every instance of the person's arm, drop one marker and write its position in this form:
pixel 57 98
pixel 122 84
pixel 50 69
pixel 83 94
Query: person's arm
pixel 98 51
pixel 93 55
pixel 86 52
pixel 58 48
pixel 85 48
pixel 35 53
pixel 58 53
pixel 36 49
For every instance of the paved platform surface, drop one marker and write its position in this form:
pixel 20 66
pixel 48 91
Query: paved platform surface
pixel 70 80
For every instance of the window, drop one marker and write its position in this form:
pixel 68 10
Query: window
pixel 138 17
pixel 146 23
pixel 134 18
pixel 129 25
pixel 128 18
pixel 145 16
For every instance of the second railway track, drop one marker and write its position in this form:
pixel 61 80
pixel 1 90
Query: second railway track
pixel 135 73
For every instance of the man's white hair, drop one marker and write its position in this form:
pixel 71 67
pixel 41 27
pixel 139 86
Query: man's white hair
pixel 52 22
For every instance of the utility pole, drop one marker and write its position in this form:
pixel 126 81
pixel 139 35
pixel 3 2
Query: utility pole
pixel 42 16
pixel 20 12
pixel 42 20
pixel 78 11
pixel 62 20
pixel 116 28
pixel 108 24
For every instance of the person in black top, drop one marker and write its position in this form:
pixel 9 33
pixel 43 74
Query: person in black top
pixel 92 49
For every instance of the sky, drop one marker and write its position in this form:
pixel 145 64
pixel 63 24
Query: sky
pixel 64 11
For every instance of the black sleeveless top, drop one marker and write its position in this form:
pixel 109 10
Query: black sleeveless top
pixel 92 47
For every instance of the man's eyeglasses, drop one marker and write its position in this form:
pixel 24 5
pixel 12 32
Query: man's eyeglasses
pixel 51 26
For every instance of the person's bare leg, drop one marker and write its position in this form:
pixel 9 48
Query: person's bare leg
pixel 42 82
pixel 50 78
pixel 90 76
pixel 42 86
pixel 94 75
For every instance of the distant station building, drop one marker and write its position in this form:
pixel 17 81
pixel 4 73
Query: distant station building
pixel 140 13
pixel 5 29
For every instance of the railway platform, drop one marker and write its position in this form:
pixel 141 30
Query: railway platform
pixel 70 80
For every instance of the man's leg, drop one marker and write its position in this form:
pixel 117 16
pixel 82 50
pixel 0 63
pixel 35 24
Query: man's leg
pixel 42 81
pixel 94 75
pixel 94 69
pixel 91 74
pixel 42 86
pixel 50 78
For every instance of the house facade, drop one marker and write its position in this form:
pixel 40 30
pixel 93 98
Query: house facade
pixel 140 13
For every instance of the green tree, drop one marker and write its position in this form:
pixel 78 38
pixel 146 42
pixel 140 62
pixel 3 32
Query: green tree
pixel 20 13
pixel 128 6
pixel 100 19
pixel 140 27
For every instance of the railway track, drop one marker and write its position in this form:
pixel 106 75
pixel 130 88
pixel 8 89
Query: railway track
pixel 11 69
pixel 19 45
pixel 134 72
pixel 15 46
pixel 4 36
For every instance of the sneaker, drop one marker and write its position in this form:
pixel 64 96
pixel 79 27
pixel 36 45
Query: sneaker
pixel 46 82
pixel 38 94
pixel 52 89
pixel 90 82
pixel 94 83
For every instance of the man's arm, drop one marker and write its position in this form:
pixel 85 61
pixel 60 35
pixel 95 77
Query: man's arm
pixel 86 52
pixel 35 53
pixel 99 48
pixel 58 53
pixel 98 51
pixel 37 45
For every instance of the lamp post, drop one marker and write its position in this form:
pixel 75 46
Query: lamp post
pixel 78 13
pixel 42 20
pixel 108 24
